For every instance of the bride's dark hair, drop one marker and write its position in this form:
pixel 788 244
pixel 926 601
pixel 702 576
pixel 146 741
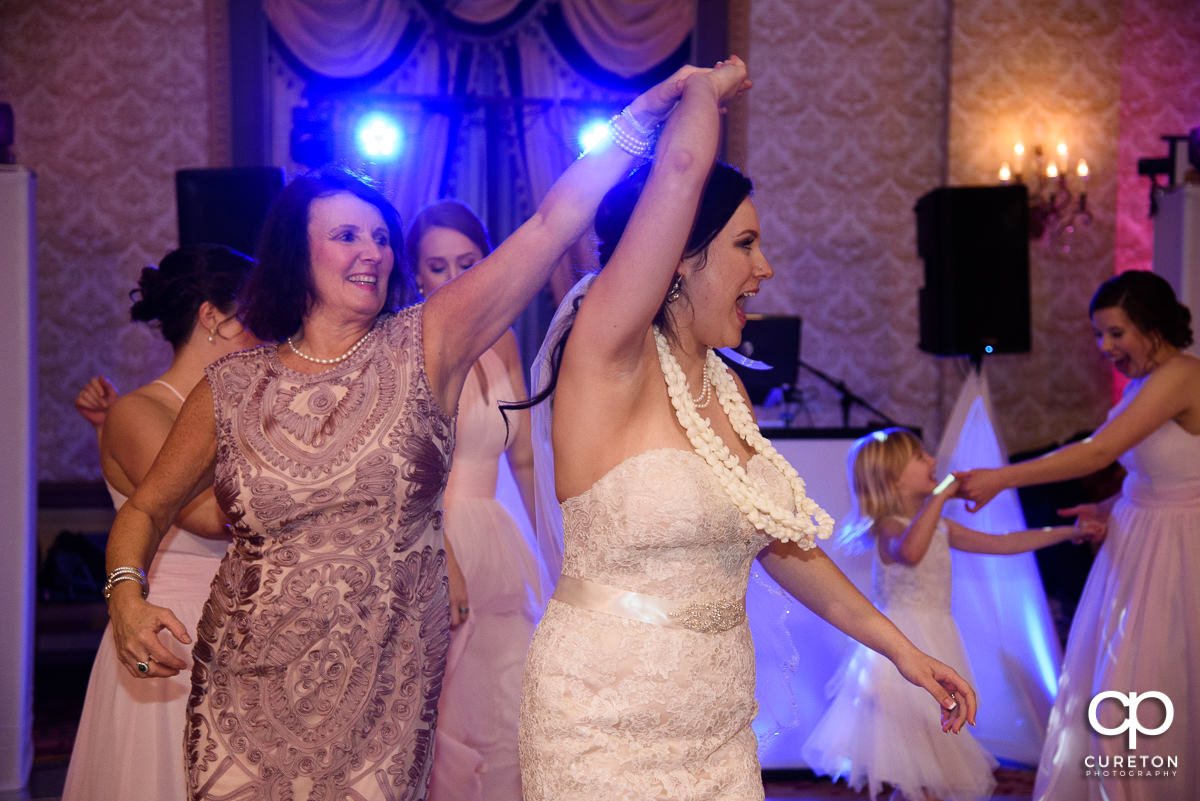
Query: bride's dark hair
pixel 723 193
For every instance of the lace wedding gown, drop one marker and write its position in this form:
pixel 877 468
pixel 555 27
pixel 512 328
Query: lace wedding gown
pixel 639 683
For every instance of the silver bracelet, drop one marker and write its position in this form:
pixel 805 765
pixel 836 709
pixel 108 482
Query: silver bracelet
pixel 125 573
pixel 645 132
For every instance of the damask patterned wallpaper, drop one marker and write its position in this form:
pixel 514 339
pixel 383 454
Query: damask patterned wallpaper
pixel 1160 94
pixel 109 100
pixel 846 130
pixel 1022 70
pixel 860 107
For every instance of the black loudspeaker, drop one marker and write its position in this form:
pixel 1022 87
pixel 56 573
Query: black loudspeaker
pixel 225 205
pixel 773 339
pixel 975 243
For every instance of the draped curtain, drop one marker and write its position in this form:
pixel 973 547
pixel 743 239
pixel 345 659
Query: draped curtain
pixel 490 94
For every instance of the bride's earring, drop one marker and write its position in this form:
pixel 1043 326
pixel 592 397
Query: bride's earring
pixel 212 332
pixel 674 292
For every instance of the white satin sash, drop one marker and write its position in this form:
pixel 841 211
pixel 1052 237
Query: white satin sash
pixel 709 617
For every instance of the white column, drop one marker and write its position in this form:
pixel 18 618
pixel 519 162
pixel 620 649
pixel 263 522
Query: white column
pixel 18 466
pixel 1177 245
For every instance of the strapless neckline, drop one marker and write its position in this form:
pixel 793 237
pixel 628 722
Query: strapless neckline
pixel 638 457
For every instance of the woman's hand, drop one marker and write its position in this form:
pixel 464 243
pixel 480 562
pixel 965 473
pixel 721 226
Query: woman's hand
pixel 135 627
pixel 729 78
pixel 955 697
pixel 1090 522
pixel 93 400
pixel 656 103
pixel 978 487
pixel 460 605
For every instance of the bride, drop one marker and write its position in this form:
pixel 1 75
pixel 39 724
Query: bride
pixel 640 679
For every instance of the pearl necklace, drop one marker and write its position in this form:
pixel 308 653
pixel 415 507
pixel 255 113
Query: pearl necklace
pixel 802 526
pixel 701 400
pixel 353 349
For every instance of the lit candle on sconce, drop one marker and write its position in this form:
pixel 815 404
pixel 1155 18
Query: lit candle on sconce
pixel 1081 169
pixel 1005 173
pixel 1052 170
pixel 1062 152
pixel 1019 154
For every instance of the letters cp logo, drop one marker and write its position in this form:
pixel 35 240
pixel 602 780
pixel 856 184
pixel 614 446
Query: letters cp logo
pixel 1132 724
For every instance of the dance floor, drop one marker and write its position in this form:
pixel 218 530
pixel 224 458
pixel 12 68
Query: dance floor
pixel 60 680
pixel 1013 785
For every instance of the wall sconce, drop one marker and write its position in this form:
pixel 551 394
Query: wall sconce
pixel 1054 208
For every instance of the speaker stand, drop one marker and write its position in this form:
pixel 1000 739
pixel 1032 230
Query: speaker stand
pixel 848 399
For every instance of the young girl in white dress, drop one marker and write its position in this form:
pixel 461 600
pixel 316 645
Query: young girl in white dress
pixel 875 731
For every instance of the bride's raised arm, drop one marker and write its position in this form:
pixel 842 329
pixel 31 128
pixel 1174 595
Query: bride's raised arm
pixel 628 293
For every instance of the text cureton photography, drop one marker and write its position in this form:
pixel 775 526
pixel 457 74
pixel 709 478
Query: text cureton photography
pixel 1131 764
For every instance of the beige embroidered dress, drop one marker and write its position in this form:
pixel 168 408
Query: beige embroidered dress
pixel 640 680
pixel 320 652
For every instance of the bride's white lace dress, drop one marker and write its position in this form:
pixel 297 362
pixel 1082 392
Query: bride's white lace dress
pixel 640 680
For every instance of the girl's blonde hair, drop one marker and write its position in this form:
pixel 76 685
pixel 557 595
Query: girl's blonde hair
pixel 873 467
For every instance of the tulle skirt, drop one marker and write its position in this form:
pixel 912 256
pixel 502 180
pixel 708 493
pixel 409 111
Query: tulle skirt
pixel 475 752
pixel 879 729
pixel 1137 629
pixel 130 738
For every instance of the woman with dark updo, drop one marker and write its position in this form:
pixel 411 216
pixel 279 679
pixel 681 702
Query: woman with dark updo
pixel 191 298
pixel 1137 626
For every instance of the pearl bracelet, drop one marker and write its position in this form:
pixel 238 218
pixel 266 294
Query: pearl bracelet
pixel 629 135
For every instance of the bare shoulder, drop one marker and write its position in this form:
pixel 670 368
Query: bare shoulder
pixel 888 534
pixel 1178 377
pixel 149 402
pixel 1185 365
pixel 887 528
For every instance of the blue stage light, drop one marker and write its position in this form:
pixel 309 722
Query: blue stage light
pixel 593 134
pixel 379 136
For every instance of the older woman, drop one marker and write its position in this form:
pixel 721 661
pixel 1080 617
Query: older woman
pixel 320 653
